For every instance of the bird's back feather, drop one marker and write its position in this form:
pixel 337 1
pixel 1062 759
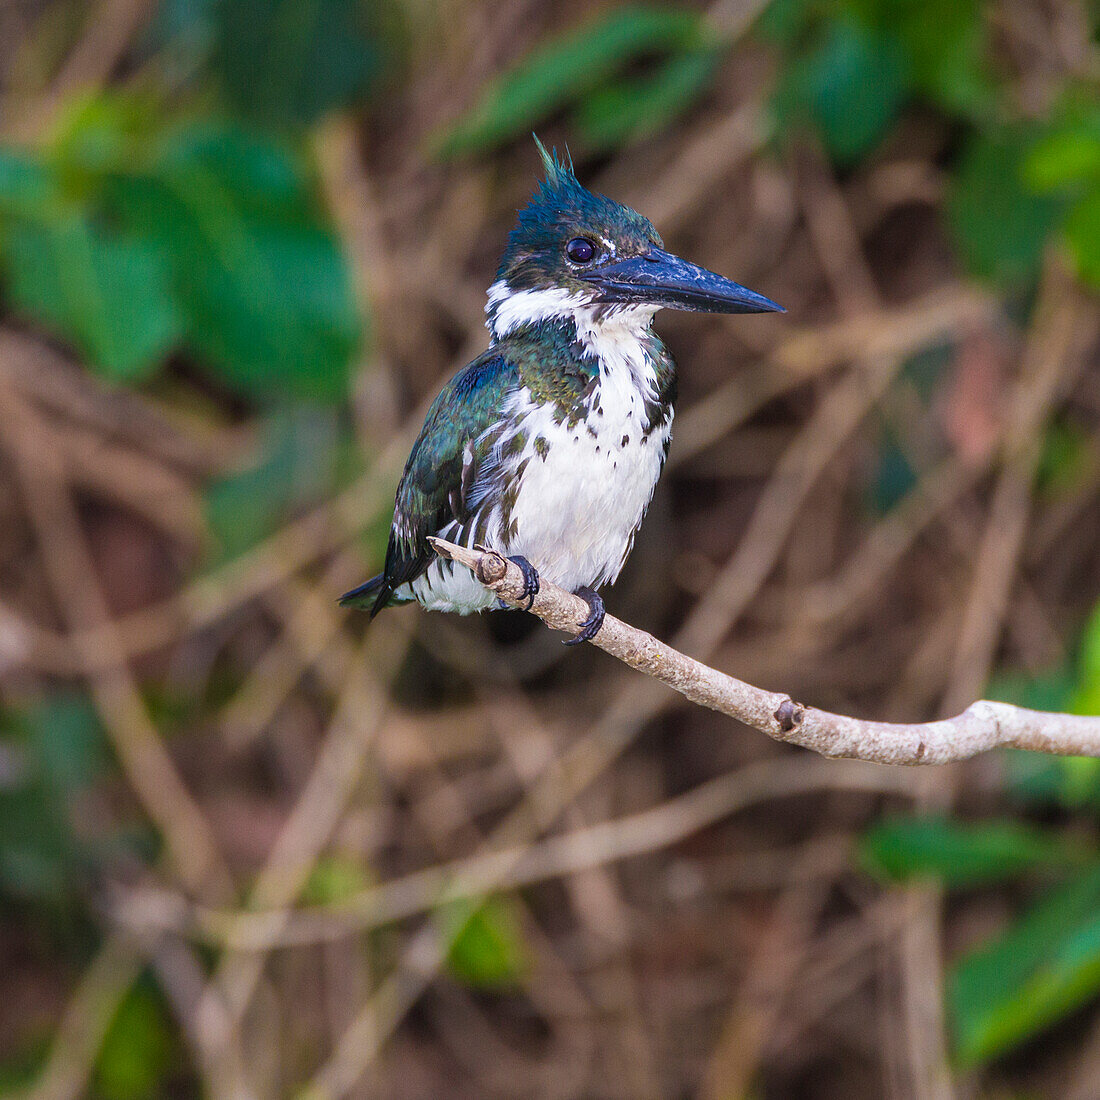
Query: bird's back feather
pixel 436 485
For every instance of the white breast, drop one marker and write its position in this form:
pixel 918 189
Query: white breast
pixel 581 501
pixel 584 488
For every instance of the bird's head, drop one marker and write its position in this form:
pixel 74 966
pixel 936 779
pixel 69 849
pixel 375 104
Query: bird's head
pixel 572 250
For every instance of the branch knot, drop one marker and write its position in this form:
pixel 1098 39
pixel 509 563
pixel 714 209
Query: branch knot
pixel 491 568
pixel 789 714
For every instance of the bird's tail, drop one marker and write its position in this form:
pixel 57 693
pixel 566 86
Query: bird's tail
pixel 365 597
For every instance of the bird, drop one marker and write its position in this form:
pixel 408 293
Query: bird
pixel 548 446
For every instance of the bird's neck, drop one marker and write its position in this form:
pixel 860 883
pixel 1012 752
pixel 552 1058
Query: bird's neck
pixel 510 311
pixel 556 332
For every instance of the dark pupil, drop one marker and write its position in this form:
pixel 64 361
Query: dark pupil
pixel 579 250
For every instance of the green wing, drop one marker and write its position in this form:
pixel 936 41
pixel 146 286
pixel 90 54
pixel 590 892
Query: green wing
pixel 440 473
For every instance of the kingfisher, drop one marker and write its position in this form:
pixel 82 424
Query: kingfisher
pixel 548 446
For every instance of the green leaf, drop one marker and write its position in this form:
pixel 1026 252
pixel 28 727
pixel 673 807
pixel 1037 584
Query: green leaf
pixel 1082 229
pixel 109 296
pixel 68 742
pixel 487 949
pixel 784 22
pixel 1080 780
pixel 851 88
pixel 97 134
pixel 1034 777
pixel 894 477
pixel 1064 462
pixel 56 749
pixel 21 1065
pixel 1042 967
pixel 1071 781
pixel 633 110
pixel 262 282
pixel 183 27
pixel 567 70
pixel 925 370
pixel 848 68
pixel 132 237
pixel 1049 690
pixel 37 851
pixel 1067 155
pixel 962 855
pixel 1067 162
pixel 945 45
pixel 1000 227
pixel 303 452
pixel 1086 696
pixel 26 186
pixel 1089 660
pixel 138 1049
pixel 335 879
pixel 286 62
pixel 1062 160
pixel 51 754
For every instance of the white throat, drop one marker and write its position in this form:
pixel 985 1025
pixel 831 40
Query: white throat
pixel 509 309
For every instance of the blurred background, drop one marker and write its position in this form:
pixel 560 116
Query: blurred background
pixel 251 848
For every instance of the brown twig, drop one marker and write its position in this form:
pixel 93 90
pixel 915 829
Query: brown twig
pixel 84 1023
pixel 585 848
pixel 982 726
pixel 153 774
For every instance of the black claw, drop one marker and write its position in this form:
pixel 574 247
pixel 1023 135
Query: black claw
pixel 594 621
pixel 530 579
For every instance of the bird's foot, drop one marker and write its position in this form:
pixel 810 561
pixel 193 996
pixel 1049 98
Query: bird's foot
pixel 592 624
pixel 530 579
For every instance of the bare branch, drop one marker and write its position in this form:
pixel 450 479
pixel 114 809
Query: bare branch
pixel 982 726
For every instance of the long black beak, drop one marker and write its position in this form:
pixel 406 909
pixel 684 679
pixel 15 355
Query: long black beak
pixel 658 278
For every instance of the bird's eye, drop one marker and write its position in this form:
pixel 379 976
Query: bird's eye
pixel 580 250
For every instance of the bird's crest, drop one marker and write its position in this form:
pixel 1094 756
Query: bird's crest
pixel 562 207
pixel 561 188
pixel 558 172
